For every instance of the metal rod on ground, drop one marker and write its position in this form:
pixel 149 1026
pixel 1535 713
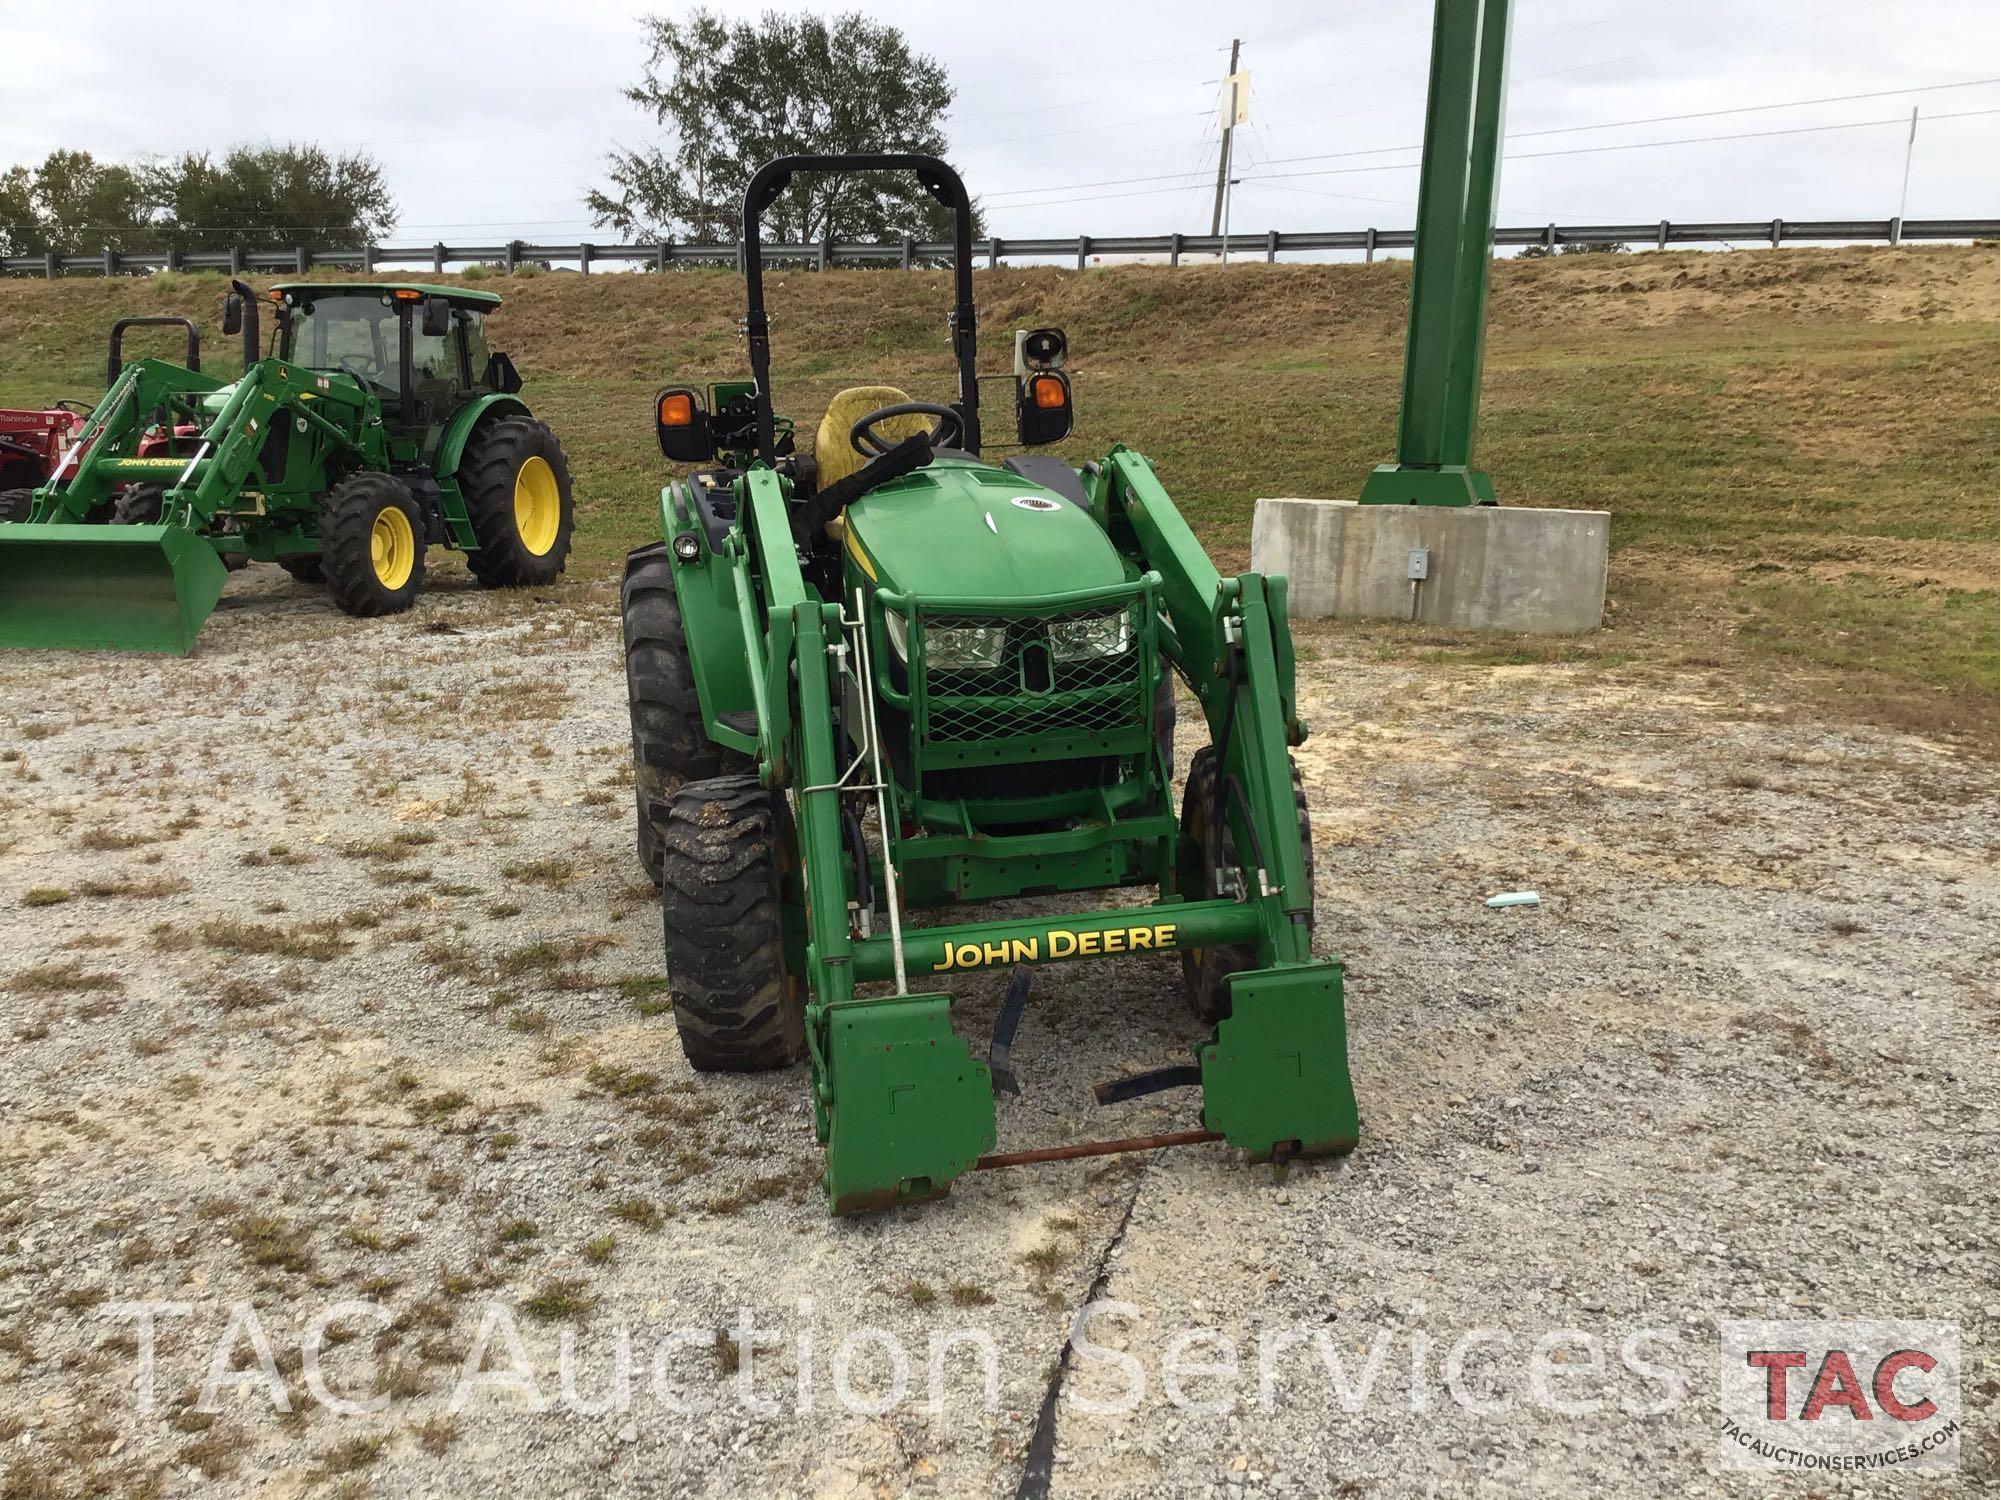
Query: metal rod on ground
pixel 1000 1159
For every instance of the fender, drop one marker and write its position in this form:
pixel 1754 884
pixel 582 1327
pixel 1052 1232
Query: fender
pixel 458 431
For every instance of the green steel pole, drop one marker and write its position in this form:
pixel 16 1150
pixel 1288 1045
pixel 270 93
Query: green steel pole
pixel 1449 267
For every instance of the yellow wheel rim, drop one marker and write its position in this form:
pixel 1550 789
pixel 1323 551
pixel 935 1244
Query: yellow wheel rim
pixel 392 547
pixel 538 505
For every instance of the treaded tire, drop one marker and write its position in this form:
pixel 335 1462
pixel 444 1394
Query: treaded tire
pixel 303 566
pixel 726 847
pixel 493 462
pixel 139 505
pixel 668 745
pixel 347 527
pixel 1205 972
pixel 14 504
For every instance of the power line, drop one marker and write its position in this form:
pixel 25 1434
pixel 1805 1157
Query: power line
pixel 1411 166
pixel 1746 109
pixel 1517 135
pixel 1747 135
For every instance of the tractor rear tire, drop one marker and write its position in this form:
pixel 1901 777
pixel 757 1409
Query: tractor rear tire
pixel 668 745
pixel 139 505
pixel 727 848
pixel 516 484
pixel 304 567
pixel 372 545
pixel 14 504
pixel 1205 972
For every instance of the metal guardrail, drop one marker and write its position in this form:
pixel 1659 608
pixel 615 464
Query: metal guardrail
pixel 1268 244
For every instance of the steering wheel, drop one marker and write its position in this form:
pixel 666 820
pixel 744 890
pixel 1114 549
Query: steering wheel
pixel 869 444
pixel 72 405
pixel 353 365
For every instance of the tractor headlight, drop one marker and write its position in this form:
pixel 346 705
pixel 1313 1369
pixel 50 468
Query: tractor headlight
pixel 965 648
pixel 897 629
pixel 1087 640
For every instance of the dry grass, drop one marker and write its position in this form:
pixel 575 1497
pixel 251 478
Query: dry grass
pixel 70 978
pixel 1798 446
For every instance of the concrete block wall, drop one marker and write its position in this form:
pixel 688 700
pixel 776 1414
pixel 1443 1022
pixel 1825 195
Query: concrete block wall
pixel 1488 567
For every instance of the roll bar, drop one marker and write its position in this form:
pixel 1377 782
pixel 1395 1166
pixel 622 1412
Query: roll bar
pixel 942 183
pixel 116 362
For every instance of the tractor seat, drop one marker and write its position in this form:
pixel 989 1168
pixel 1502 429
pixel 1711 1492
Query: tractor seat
pixel 834 457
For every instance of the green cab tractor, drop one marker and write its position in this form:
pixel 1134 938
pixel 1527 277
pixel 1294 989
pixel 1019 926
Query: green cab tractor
pixel 378 425
pixel 883 681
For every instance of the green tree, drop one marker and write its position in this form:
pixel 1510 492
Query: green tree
pixel 73 204
pixel 271 198
pixel 20 224
pixel 734 94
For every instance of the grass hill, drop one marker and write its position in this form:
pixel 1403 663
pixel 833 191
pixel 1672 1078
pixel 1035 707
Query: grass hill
pixel 1798 446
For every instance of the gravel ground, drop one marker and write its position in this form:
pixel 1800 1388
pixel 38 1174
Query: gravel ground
pixel 328 976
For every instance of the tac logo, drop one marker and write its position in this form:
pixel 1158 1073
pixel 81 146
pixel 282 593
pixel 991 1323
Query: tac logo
pixel 1840 1397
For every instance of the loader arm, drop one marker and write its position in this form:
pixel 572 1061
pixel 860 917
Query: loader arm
pixel 330 408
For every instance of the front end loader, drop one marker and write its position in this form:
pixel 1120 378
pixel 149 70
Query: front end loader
pixel 378 425
pixel 879 683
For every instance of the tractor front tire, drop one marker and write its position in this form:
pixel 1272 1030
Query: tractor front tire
pixel 516 484
pixel 668 744
pixel 139 505
pixel 372 545
pixel 14 504
pixel 726 848
pixel 1205 972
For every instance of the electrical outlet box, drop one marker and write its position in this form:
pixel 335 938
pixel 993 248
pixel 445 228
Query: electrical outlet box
pixel 1418 566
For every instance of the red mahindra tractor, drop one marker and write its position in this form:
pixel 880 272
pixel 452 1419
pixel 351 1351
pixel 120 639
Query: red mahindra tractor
pixel 34 444
pixel 31 444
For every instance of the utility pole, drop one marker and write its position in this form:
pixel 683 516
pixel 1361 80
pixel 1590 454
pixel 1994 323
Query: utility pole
pixel 1223 152
pixel 1910 145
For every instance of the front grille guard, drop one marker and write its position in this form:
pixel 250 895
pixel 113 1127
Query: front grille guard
pixel 1002 681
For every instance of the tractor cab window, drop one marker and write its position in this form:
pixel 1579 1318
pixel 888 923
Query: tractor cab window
pixel 354 334
pixel 476 350
pixel 434 363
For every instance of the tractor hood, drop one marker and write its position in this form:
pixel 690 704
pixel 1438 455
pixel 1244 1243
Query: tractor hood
pixel 962 530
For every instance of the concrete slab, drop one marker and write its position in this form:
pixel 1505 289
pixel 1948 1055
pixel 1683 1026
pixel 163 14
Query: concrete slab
pixel 1486 567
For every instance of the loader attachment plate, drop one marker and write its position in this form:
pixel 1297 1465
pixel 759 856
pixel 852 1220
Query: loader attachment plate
pixel 912 1108
pixel 105 588
pixel 1275 1079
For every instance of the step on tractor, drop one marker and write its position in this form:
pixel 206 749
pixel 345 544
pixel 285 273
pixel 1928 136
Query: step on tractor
pixel 882 681
pixel 377 425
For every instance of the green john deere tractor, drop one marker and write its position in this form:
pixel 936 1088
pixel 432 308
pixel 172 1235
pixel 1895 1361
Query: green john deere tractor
pixel 890 676
pixel 379 425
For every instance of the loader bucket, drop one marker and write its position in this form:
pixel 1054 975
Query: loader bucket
pixel 105 588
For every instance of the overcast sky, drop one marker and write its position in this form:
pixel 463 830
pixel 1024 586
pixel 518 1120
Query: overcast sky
pixel 491 118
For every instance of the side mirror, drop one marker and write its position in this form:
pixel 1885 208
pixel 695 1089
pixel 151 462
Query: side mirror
pixel 501 375
pixel 232 315
pixel 1042 408
pixel 437 317
pixel 683 426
